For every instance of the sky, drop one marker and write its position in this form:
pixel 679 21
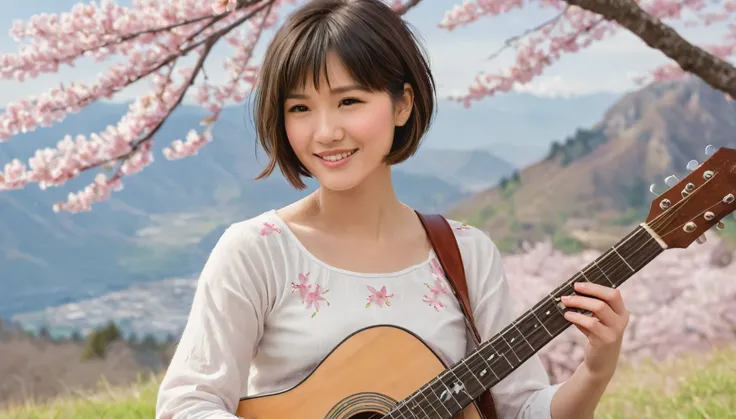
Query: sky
pixel 457 56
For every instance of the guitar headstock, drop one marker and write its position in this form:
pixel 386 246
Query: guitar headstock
pixel 696 203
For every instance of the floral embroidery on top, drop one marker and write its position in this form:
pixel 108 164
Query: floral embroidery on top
pixel 463 227
pixel 378 297
pixel 269 228
pixel 310 294
pixel 433 298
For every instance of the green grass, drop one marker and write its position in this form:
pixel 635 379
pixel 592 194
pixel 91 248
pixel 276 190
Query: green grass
pixel 693 386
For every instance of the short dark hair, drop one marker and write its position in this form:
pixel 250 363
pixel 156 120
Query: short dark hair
pixel 377 47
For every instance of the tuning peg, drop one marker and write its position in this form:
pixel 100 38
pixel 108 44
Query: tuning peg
pixel 709 150
pixel 692 165
pixel 653 185
pixel 702 239
pixel 671 180
pixel 720 225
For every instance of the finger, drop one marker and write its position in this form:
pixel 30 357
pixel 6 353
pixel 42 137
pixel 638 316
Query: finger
pixel 592 328
pixel 599 308
pixel 610 295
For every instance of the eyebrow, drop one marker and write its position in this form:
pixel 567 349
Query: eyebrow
pixel 336 90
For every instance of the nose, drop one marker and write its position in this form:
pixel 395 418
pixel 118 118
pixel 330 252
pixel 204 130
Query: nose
pixel 328 129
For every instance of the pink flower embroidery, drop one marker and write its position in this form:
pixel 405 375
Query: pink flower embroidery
pixel 462 227
pixel 310 294
pixel 314 297
pixel 378 297
pixel 269 228
pixel 433 298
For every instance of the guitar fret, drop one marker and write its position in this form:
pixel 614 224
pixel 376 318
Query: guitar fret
pixel 442 402
pixel 483 358
pixel 613 285
pixel 459 385
pixel 480 384
pixel 511 349
pixel 523 336
pixel 541 323
pixel 538 326
pixel 622 258
pixel 430 404
pixel 448 395
pixel 420 408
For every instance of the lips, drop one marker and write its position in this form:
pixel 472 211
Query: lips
pixel 335 157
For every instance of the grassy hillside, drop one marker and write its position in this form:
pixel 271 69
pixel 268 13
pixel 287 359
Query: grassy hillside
pixel 692 386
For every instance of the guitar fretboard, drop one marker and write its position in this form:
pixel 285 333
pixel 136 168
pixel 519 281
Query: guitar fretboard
pixel 454 389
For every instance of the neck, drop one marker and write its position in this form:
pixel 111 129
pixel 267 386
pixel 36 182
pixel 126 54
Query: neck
pixel 366 210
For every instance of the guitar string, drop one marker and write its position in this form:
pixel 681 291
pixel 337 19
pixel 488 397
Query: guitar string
pixel 502 357
pixel 657 222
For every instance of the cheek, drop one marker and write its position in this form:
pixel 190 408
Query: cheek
pixel 298 134
pixel 375 127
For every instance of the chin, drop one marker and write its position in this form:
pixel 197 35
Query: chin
pixel 339 183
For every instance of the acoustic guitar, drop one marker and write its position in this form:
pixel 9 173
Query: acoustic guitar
pixel 388 372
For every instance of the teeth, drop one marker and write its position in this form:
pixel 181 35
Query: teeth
pixel 337 157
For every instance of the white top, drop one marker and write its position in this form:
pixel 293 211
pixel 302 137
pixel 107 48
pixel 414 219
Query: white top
pixel 262 319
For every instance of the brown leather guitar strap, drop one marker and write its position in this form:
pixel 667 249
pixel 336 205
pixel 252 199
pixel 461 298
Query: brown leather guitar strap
pixel 445 246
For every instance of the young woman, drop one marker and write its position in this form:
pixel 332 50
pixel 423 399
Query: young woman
pixel 345 92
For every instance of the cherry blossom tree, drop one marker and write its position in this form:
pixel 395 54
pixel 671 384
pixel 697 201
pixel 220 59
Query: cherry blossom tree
pixel 155 37
pixel 671 300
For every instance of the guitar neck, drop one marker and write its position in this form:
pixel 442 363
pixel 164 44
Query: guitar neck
pixel 453 390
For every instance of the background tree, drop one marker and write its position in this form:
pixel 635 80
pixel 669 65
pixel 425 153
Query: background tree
pixel 99 339
pixel 155 37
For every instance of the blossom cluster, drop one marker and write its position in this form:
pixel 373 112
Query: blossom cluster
pixel 679 302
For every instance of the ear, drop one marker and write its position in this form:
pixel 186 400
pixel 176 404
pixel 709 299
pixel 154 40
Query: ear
pixel 404 106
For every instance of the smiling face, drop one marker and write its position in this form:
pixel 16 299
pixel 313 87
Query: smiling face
pixel 342 131
pixel 342 77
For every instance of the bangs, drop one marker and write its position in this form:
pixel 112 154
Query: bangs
pixel 355 45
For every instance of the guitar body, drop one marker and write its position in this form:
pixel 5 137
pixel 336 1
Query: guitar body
pixel 363 377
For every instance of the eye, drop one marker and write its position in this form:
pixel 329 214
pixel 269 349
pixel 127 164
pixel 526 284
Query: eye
pixel 298 108
pixel 349 101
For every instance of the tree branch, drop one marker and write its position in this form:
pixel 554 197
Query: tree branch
pixel 716 72
pixel 406 6
pixel 208 43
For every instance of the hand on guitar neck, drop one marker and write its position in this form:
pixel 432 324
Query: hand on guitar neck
pixel 602 318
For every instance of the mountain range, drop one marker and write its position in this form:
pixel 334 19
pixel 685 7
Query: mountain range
pixel 593 187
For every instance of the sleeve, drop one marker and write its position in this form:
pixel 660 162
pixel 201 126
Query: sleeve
pixel 209 369
pixel 526 393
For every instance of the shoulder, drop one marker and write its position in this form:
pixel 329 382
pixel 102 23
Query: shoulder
pixel 477 248
pixel 245 237
pixel 471 238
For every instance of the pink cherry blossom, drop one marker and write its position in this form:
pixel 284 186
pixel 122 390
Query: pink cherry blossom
pixel 151 40
pixel 573 29
pixel 222 6
pixel 678 302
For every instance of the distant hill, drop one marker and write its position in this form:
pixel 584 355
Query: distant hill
pixel 166 219
pixel 517 127
pixel 593 187
pixel 471 170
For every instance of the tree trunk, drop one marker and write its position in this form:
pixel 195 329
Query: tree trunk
pixel 716 72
